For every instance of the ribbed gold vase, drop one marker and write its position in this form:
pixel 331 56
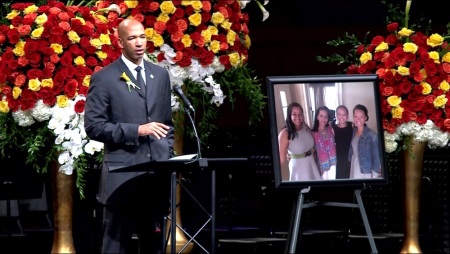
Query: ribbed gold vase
pixel 63 188
pixel 412 177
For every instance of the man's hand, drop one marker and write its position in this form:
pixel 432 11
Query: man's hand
pixel 159 130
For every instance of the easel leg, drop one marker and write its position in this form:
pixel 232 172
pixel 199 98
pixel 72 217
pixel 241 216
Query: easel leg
pixel 366 221
pixel 293 231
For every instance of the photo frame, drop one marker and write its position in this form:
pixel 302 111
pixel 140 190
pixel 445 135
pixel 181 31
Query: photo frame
pixel 311 92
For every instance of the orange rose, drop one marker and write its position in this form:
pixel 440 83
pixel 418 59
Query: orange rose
pixel 24 30
pixel 206 6
pixel 159 27
pixel 447 124
pixel 387 91
pixel 20 80
pixel 64 25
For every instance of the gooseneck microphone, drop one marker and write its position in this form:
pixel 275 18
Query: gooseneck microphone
pixel 189 107
pixel 177 89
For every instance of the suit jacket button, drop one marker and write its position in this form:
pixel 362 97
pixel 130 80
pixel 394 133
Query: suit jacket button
pixel 149 155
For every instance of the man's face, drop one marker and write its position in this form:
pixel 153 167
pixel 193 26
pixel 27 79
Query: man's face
pixel 133 42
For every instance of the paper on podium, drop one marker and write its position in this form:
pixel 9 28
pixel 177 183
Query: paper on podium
pixel 184 157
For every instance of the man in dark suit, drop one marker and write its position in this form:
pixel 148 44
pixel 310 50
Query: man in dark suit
pixel 134 121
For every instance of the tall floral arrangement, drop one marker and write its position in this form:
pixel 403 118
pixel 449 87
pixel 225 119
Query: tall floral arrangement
pixel 413 68
pixel 49 52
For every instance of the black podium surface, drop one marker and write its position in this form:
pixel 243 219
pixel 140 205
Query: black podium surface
pixel 176 166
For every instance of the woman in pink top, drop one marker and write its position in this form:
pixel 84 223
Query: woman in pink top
pixel 324 142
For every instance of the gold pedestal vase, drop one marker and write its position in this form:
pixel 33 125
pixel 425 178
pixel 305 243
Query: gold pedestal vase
pixel 63 190
pixel 412 177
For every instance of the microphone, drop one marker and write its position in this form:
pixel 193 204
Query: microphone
pixel 177 89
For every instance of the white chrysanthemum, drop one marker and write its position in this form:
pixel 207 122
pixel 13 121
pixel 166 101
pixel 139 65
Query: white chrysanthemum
pixel 41 111
pixel 217 65
pixel 23 118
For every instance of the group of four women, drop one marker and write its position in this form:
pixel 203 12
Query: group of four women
pixel 330 150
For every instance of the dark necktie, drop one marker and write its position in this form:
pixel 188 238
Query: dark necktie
pixel 139 78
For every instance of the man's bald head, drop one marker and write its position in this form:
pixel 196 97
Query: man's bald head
pixel 125 25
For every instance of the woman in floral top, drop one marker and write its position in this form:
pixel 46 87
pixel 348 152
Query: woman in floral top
pixel 324 142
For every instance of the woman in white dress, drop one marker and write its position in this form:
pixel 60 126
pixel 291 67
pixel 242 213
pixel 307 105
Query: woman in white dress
pixel 296 145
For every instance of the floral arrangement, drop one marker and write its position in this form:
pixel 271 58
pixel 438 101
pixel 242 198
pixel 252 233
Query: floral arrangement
pixel 49 52
pixel 413 69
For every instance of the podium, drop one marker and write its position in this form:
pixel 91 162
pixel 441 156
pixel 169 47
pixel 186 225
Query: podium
pixel 175 167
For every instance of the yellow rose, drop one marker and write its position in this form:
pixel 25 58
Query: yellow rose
pixel 195 19
pixel 19 48
pixel 58 48
pixel 101 55
pixel 446 57
pixel 30 9
pixel 247 42
pixel 217 18
pixel 79 60
pixel 167 7
pixel 86 80
pixel 435 56
pixel 397 112
pixel 4 106
pixel 440 101
pixel 394 100
pixel 197 5
pixel 426 88
pixel 213 30
pixel 404 71
pixel 149 33
pixel 214 46
pixel 62 100
pixel 410 47
pixel 131 4
pixel 102 18
pixel 96 43
pixel 382 47
pixel 104 39
pixel 231 37
pixel 163 17
pixel 226 24
pixel 424 74
pixel 36 34
pixel 34 84
pixel 435 40
pixel 186 40
pixel 444 86
pixel 16 92
pixel 83 22
pixel 158 40
pixel 48 82
pixel 207 35
pixel 41 19
pixel 234 59
pixel 365 57
pixel 12 14
pixel 405 32
pixel 73 36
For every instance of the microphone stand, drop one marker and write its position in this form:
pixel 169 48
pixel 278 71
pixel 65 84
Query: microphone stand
pixel 199 153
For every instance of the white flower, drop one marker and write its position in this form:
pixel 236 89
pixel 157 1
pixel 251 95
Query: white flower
pixel 93 146
pixel 23 118
pixel 427 132
pixel 41 111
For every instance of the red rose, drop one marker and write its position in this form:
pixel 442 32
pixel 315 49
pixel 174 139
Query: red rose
pixel 70 88
pixel 421 119
pixel 185 61
pixel 79 106
pixel 392 26
pixel 159 27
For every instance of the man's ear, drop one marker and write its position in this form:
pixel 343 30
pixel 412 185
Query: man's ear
pixel 120 42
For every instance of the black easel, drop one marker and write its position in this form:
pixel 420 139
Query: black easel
pixel 295 225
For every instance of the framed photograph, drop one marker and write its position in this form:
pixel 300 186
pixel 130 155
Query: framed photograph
pixel 326 130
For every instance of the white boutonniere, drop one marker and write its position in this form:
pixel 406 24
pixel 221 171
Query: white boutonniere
pixel 128 81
